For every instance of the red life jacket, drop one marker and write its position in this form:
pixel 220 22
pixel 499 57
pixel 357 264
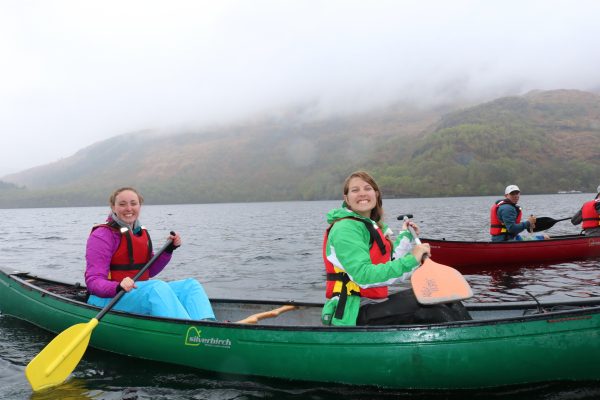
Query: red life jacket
pixel 589 215
pixel 133 253
pixel 379 254
pixel 498 227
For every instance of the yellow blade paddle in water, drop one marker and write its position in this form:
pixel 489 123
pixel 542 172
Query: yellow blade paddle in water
pixel 60 357
pixel 435 283
pixel 53 365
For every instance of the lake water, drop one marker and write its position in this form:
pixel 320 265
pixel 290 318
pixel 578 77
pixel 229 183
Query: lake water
pixel 259 251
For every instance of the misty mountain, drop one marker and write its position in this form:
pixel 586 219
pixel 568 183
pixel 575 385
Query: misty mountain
pixel 544 141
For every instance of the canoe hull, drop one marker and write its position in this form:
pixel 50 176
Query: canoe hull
pixel 469 256
pixel 475 354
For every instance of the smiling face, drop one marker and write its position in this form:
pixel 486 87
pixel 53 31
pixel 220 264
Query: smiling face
pixel 127 206
pixel 361 197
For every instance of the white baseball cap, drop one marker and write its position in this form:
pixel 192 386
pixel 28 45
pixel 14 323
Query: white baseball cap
pixel 511 188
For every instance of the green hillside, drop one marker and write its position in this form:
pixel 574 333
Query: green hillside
pixel 543 141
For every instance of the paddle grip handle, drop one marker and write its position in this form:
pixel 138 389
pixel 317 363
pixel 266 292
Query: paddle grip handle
pixel 417 240
pixel 411 229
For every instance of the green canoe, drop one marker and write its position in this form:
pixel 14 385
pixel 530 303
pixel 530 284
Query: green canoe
pixel 505 344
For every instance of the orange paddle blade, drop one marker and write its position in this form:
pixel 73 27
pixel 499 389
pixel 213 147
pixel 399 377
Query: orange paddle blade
pixel 435 283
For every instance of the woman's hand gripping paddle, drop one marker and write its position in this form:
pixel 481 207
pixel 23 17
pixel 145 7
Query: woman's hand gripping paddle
pixel 59 358
pixel 435 283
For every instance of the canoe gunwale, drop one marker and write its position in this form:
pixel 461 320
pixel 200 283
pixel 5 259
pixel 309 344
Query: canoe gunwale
pixel 581 308
pixel 470 256
pixel 514 242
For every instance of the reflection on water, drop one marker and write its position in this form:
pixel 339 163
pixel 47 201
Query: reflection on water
pixel 549 282
pixel 261 251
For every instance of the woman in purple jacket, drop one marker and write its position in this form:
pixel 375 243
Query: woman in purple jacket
pixel 118 249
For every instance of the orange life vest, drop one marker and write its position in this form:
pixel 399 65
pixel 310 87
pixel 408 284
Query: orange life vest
pixel 589 215
pixel 498 227
pixel 337 280
pixel 134 251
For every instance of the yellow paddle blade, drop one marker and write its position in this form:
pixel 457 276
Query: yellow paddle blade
pixel 435 283
pixel 59 358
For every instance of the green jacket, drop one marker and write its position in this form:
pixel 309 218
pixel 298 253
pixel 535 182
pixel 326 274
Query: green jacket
pixel 348 249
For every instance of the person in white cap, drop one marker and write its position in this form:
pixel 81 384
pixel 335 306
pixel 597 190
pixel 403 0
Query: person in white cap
pixel 505 217
pixel 589 214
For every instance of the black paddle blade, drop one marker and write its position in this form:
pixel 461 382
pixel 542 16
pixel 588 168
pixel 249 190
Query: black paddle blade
pixel 401 216
pixel 543 223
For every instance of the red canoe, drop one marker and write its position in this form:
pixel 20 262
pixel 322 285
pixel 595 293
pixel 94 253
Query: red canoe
pixel 468 255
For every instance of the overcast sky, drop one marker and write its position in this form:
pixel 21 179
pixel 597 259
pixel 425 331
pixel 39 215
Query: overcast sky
pixel 76 72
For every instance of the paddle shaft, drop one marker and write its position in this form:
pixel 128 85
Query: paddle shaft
pixel 414 234
pixel 122 292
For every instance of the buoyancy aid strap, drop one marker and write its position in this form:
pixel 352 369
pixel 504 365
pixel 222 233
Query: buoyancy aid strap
pixel 149 243
pixel 128 267
pixel 338 276
pixel 127 233
pixel 342 277
pixel 373 234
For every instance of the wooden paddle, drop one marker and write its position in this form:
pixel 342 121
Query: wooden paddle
pixel 59 358
pixel 253 319
pixel 543 223
pixel 435 283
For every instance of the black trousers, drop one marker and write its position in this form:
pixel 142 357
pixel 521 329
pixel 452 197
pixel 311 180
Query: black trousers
pixel 403 308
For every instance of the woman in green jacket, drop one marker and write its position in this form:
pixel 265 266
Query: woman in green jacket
pixel 361 262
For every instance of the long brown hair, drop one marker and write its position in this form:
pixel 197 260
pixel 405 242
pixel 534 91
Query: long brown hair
pixel 377 211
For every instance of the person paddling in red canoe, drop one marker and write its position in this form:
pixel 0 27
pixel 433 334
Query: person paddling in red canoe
pixel 589 216
pixel 506 215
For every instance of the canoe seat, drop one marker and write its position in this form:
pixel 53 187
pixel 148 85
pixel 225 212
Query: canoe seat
pixel 75 291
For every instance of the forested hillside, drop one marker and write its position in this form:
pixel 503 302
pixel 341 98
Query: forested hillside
pixel 543 141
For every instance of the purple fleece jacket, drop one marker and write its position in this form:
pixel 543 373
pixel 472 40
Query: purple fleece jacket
pixel 102 243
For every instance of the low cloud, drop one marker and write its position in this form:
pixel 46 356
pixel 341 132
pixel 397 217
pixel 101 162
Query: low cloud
pixel 77 72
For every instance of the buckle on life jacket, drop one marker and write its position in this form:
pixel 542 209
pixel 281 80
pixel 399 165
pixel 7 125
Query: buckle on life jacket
pixel 343 294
